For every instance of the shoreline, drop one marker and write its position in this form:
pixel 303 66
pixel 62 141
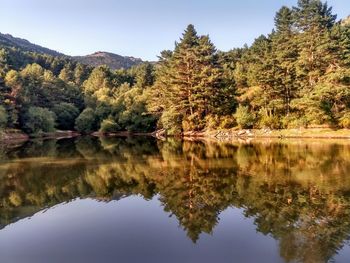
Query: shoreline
pixel 305 133
pixel 13 136
pixel 309 133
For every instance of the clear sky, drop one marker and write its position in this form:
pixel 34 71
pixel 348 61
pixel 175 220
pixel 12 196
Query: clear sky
pixel 140 28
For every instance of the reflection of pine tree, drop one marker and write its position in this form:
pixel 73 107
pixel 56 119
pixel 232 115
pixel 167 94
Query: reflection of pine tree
pixel 196 195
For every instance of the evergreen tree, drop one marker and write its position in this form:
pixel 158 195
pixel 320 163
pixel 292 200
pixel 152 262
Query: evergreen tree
pixel 285 52
pixel 313 15
pixel 189 78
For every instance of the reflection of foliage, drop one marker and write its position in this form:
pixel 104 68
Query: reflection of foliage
pixel 196 197
pixel 296 192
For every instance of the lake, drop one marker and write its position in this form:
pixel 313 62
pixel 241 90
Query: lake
pixel 145 200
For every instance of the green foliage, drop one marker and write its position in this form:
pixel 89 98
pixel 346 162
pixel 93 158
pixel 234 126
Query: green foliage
pixel 99 80
pixel 35 86
pixel 297 74
pixel 214 122
pixel 312 14
pixel 131 112
pixel 109 126
pixel 171 121
pixel 38 120
pixel 293 120
pixel 66 114
pixel 86 121
pixel 189 81
pixel 144 74
pixel 3 117
pixel 31 80
pixel 66 74
pixel 268 120
pixel 245 119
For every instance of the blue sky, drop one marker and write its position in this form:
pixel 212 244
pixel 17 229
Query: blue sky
pixel 140 28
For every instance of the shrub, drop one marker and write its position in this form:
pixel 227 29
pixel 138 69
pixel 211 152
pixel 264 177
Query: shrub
pixel 214 122
pixel 193 122
pixel 86 122
pixel 227 122
pixel 102 111
pixel 109 125
pixel 344 121
pixel 135 120
pixel 38 120
pixel 171 121
pixel 66 114
pixel 245 119
pixel 3 117
pixel 294 121
pixel 269 120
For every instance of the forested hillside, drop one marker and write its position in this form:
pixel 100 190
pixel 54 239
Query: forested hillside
pixel 297 76
pixel 10 41
pixel 113 61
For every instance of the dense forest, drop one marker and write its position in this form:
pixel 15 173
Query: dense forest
pixel 297 76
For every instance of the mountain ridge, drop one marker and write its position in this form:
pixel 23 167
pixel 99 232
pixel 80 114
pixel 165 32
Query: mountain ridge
pixel 11 41
pixel 112 60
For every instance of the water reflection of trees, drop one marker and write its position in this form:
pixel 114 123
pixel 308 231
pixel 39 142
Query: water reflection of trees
pixel 297 192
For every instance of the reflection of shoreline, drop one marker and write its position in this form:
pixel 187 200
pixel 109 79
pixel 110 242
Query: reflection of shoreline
pixel 12 137
pixel 268 140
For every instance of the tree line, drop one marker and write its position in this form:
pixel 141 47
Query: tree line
pixel 296 76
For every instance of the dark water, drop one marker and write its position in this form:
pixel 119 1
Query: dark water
pixel 141 200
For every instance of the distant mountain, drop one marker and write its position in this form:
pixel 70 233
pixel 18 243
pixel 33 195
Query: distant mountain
pixel 10 41
pixel 114 61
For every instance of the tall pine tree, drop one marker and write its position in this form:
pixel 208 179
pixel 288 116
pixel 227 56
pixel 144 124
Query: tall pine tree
pixel 189 82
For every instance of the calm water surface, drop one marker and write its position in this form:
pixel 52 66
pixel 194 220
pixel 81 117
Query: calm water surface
pixel 142 200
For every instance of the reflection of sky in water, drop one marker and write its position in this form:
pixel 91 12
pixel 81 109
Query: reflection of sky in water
pixel 129 230
pixel 344 254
